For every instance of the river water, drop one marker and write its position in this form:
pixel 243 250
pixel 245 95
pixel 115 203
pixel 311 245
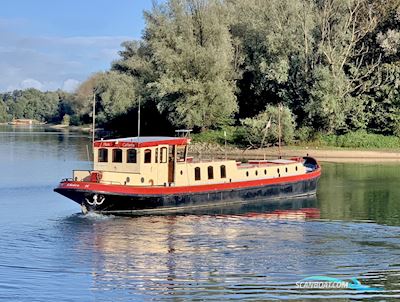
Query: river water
pixel 51 252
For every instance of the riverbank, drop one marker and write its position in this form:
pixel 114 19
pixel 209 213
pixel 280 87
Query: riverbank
pixel 83 128
pixel 339 155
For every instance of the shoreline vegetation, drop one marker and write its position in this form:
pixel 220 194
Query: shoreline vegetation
pixel 213 150
pixel 338 155
pixel 323 74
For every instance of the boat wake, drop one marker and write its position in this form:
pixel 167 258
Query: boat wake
pixel 96 216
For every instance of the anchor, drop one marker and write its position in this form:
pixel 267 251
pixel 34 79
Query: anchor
pixel 96 200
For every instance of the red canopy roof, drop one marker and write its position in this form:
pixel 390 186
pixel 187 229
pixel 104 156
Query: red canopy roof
pixel 143 141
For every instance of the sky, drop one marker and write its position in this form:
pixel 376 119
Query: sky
pixel 57 44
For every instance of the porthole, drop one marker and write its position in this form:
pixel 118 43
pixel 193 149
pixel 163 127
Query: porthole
pixel 256 173
pixel 247 173
pixel 277 170
pixel 296 168
pixel 286 170
pixel 142 179
pixel 181 172
pixel 265 171
pixel 128 179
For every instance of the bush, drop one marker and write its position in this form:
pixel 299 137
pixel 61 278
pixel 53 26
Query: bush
pixel 362 139
pixel 66 120
pixel 255 128
pixel 304 134
pixel 216 136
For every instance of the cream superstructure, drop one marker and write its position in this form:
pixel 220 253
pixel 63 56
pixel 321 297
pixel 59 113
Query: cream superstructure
pixel 163 161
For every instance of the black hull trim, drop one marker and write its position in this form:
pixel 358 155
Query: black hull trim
pixel 121 204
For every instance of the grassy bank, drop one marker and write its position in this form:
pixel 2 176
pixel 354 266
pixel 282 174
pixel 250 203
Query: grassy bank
pixel 352 140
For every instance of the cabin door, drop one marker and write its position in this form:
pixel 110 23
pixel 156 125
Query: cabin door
pixel 171 164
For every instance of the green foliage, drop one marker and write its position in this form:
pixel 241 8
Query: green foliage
pixel 66 120
pixel 305 134
pixel 31 104
pixel 208 64
pixel 256 128
pixel 192 50
pixel 116 94
pixel 218 136
pixel 3 113
pixel 362 139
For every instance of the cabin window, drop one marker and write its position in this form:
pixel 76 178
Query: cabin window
pixel 256 172
pixel 296 168
pixel 156 155
pixel 265 171
pixel 103 156
pixel 223 171
pixel 163 155
pixel 286 170
pixel 180 153
pixel 147 156
pixel 247 173
pixel 210 171
pixel 197 175
pixel 277 170
pixel 117 156
pixel 131 156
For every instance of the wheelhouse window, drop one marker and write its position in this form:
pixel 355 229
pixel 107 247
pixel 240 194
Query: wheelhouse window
pixel 103 155
pixel 117 155
pixel 223 171
pixel 180 153
pixel 163 155
pixel 147 156
pixel 131 156
pixel 210 171
pixel 197 175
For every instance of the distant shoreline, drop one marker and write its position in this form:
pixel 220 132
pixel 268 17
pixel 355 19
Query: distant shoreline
pixel 72 128
pixel 325 154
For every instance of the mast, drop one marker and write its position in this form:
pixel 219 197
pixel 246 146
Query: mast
pixel 279 130
pixel 93 121
pixel 226 155
pixel 138 123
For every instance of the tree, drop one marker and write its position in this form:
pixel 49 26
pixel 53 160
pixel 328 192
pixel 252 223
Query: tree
pixel 192 51
pixel 3 112
pixel 256 128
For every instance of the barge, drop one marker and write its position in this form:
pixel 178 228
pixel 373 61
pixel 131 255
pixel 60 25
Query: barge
pixel 147 175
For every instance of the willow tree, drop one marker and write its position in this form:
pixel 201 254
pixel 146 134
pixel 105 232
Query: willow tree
pixel 275 39
pixel 192 53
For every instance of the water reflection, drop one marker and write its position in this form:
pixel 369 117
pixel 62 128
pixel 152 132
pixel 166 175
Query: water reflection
pixel 250 251
pixel 38 142
pixel 366 192
pixel 253 253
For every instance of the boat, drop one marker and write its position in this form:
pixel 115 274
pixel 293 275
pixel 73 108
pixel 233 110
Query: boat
pixel 150 175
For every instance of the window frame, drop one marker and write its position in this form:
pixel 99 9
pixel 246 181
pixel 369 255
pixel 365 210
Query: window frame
pixel 114 155
pixel 197 173
pixel 222 171
pixel 147 156
pixel 100 150
pixel 163 155
pixel 128 151
pixel 210 172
